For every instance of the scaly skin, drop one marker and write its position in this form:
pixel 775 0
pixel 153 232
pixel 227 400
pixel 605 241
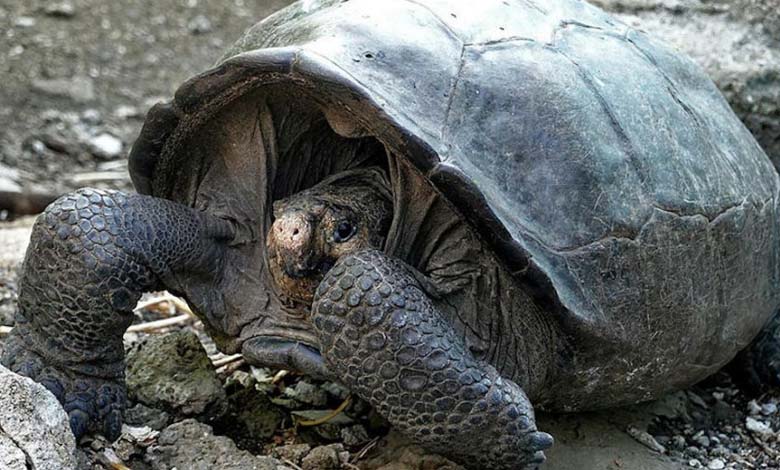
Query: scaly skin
pixel 92 254
pixel 383 338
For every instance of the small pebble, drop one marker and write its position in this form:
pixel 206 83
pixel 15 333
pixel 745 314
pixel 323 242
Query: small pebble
pixel 693 450
pixel 24 22
pixel 323 458
pixel 126 111
pixel 703 441
pixel 354 436
pixel 756 426
pixel 38 147
pixel 716 464
pixel 60 10
pixel 91 116
pixel 768 409
pixel 105 146
pixel 644 438
pixel 753 407
pixel 307 393
pixel 292 452
pixel 694 463
pixel 200 25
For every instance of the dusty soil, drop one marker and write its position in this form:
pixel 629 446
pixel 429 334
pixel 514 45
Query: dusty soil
pixel 76 69
pixel 77 78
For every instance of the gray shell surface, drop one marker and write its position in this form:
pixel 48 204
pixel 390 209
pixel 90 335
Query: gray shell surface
pixel 605 170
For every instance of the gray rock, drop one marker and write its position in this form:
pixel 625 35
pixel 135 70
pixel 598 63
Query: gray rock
pixel 77 89
pixel 24 22
pixel 716 464
pixel 336 390
pixel 292 452
pixel 173 372
pixel 255 411
pixel 702 440
pixel 127 112
pixel 307 393
pixel 105 146
pixel 768 409
pixel 142 415
pixel 193 446
pixel 643 437
pixel 60 10
pixel 11 457
pixel 758 427
pixel 354 436
pixel 35 424
pixel 91 116
pixel 9 179
pixel 200 25
pixel 323 458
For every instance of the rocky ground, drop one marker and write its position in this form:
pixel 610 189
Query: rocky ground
pixel 78 75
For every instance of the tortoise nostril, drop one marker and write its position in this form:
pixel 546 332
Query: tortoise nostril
pixel 295 232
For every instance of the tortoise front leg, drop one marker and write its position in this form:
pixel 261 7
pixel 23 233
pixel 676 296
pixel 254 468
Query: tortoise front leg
pixel 92 254
pixel 386 341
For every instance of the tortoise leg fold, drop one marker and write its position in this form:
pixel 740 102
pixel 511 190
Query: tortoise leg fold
pixel 382 336
pixel 758 366
pixel 92 254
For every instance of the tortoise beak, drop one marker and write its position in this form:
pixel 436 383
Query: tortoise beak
pixel 283 353
pixel 290 241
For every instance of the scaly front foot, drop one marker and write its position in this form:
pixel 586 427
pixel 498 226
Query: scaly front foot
pixel 382 336
pixel 91 256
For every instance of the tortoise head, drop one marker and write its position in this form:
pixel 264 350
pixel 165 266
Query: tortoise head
pixel 314 228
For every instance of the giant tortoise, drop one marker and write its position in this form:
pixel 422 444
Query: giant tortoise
pixel 459 210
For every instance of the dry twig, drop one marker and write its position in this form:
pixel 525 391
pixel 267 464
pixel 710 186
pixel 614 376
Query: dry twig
pixel 279 376
pixel 177 302
pixel 328 417
pixel 229 368
pixel 288 462
pixel 226 360
pixel 367 448
pixel 158 324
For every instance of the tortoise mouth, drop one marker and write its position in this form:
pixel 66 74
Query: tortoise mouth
pixel 285 353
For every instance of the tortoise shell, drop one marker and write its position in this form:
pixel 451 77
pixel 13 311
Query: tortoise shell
pixel 604 169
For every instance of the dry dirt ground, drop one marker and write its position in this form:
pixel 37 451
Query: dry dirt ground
pixel 77 77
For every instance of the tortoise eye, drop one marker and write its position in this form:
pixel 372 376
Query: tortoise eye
pixel 344 231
